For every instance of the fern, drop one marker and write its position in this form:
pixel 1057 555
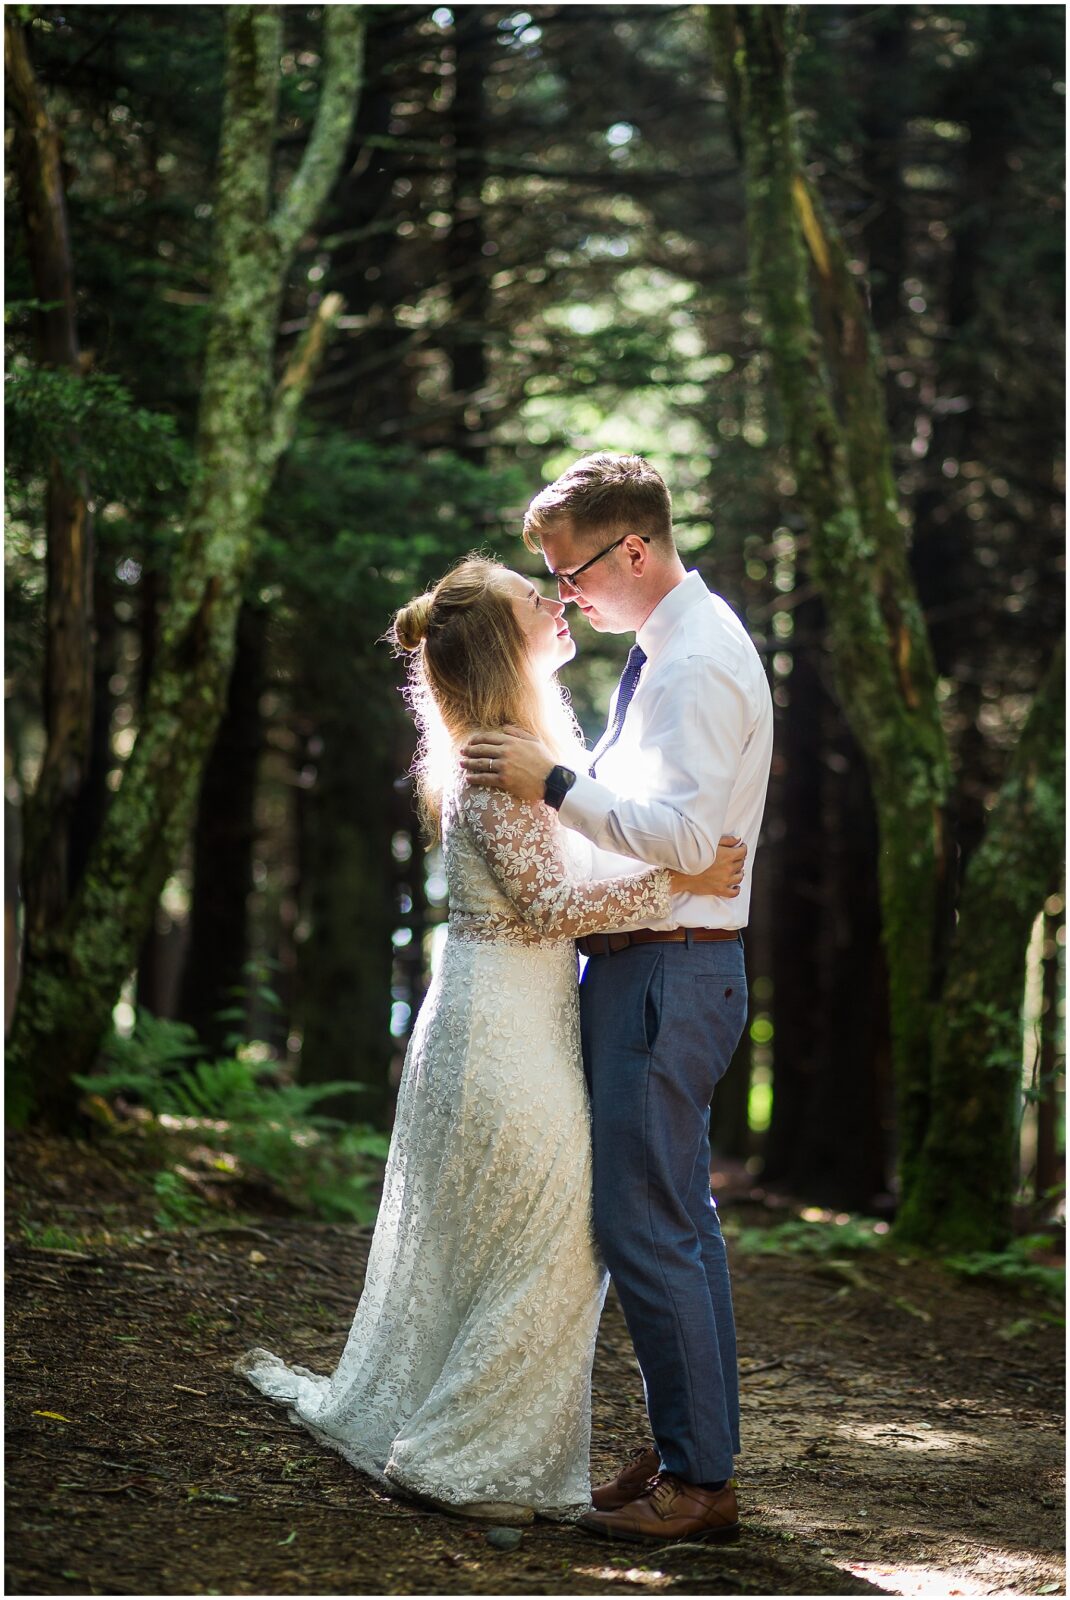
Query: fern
pixel 1014 1265
pixel 797 1237
pixel 317 1161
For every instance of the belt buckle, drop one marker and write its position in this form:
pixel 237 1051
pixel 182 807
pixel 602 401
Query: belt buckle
pixel 618 941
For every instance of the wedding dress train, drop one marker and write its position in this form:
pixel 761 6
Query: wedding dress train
pixel 466 1373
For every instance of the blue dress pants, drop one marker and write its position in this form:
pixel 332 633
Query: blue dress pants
pixel 660 1023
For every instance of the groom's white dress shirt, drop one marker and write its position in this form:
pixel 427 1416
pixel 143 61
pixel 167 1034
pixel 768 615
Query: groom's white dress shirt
pixel 692 760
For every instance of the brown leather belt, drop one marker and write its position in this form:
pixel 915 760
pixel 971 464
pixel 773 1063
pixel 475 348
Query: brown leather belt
pixel 606 944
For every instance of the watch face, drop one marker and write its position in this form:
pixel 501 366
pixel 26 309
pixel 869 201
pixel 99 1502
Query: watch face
pixel 558 783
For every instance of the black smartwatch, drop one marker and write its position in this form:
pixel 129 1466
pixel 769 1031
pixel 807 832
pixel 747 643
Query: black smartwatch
pixel 559 781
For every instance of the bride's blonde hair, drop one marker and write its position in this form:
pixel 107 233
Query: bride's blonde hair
pixel 470 669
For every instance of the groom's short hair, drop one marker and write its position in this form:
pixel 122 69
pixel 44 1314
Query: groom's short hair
pixel 603 493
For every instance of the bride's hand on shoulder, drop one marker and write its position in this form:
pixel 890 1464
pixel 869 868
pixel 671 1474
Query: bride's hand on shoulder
pixel 508 759
pixel 722 879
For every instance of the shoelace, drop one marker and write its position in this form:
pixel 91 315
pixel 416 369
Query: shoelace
pixel 663 1493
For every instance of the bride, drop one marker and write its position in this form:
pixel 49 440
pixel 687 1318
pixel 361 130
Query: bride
pixel 465 1380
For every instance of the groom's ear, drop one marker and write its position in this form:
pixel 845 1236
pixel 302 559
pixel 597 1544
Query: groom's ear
pixel 638 556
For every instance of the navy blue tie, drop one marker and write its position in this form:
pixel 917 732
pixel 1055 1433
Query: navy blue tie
pixel 628 680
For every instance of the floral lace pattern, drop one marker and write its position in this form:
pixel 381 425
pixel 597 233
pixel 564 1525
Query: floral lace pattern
pixel 466 1372
pixel 509 862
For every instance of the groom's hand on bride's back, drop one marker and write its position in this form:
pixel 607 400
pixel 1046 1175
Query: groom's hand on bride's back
pixel 509 759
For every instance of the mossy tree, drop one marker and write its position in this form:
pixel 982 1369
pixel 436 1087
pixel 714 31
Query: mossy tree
pixel 73 973
pixel 955 980
pixel 47 868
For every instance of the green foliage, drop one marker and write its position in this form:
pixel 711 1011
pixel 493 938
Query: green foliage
pixel 317 1162
pixel 93 423
pixel 355 527
pixel 48 1237
pixel 1015 1265
pixel 178 1206
pixel 799 1238
pixel 353 530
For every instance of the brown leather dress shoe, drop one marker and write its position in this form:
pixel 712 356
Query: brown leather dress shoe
pixel 668 1508
pixel 643 1464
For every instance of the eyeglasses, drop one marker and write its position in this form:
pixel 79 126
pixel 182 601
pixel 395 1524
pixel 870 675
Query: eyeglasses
pixel 568 579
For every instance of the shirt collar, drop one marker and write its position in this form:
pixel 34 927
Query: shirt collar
pixel 668 613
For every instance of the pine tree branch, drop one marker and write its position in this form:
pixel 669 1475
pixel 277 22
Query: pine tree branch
pixel 724 36
pixel 495 161
pixel 300 370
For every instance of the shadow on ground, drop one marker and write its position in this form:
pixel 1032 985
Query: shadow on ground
pixel 901 1429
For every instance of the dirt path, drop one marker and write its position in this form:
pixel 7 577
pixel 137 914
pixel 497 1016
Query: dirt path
pixel 902 1430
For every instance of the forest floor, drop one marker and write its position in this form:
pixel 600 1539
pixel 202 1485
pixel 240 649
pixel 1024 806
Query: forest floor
pixel 902 1427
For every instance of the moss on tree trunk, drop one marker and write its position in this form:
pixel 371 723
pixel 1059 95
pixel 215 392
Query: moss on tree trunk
pixel 962 1194
pixel 48 864
pixel 844 483
pixel 955 1040
pixel 73 979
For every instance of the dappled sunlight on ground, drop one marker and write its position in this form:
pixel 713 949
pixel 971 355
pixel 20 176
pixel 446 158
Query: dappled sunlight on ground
pixel 639 1576
pixel 911 1438
pixel 883 1451
pixel 999 1573
pixel 921 1453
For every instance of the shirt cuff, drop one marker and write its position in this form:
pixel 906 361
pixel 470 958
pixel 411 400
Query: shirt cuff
pixel 586 806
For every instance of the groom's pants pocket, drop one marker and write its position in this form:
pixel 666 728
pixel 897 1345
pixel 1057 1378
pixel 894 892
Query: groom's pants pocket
pixel 653 1001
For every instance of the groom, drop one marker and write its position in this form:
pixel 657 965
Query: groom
pixel 685 759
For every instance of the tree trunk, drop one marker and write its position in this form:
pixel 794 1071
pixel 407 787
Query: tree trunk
pixel 465 255
pixel 88 816
pixel 223 840
pixel 69 988
pixel 1046 1176
pixel 350 874
pixel 150 962
pixel 953 1028
pixel 800 1018
pixel 891 76
pixel 846 486
pixel 840 1148
pixel 367 386
pixel 961 1198
pixel 68 677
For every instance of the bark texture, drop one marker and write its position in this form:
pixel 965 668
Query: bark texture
pixel 223 841
pixel 350 884
pixel 47 864
pixel 243 426
pixel 953 1030
pixel 846 486
pixel 465 254
pixel 967 1176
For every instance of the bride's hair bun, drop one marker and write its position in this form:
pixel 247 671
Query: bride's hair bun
pixel 411 622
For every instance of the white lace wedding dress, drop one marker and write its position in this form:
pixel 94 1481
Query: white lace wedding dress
pixel 466 1374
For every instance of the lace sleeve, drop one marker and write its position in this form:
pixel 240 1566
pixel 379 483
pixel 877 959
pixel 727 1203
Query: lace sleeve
pixel 518 843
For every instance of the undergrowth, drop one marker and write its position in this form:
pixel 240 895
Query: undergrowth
pixel 1016 1265
pixel 256 1123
